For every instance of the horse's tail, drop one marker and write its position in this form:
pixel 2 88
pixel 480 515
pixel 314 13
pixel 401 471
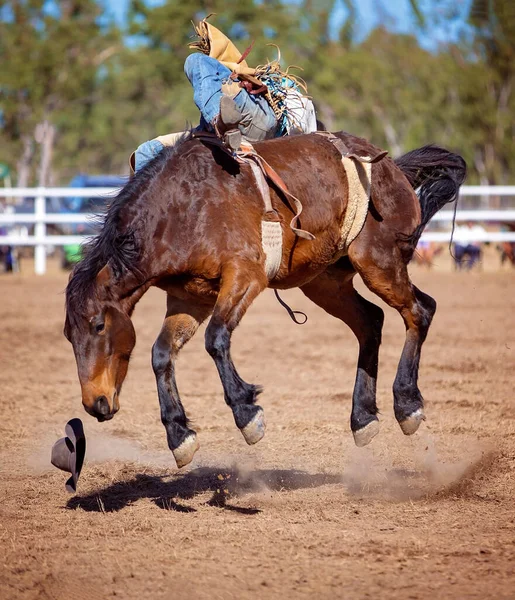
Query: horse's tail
pixel 436 175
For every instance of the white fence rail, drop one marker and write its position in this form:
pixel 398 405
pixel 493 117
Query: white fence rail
pixel 40 218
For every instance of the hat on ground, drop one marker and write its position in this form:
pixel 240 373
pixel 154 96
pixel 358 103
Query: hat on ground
pixel 68 452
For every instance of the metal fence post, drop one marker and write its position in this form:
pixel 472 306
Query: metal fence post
pixel 40 232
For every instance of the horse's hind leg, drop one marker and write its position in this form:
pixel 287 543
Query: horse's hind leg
pixel 334 292
pixel 181 322
pixel 241 283
pixel 389 279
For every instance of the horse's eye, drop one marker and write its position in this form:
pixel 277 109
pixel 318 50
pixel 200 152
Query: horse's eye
pixel 99 327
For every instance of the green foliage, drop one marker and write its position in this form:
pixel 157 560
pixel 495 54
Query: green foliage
pixel 104 91
pixel 51 56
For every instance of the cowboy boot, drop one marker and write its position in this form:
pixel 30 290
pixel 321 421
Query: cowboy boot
pixel 226 123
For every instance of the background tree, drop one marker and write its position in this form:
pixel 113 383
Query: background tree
pixel 51 55
pixel 79 93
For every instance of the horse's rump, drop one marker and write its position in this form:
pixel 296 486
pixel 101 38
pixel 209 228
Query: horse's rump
pixel 312 168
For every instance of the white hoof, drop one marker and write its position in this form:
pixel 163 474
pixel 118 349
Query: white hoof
pixel 255 430
pixel 412 423
pixel 184 453
pixel 366 434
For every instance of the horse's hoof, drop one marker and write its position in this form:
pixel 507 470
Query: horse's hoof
pixel 184 453
pixel 255 429
pixel 366 434
pixel 410 424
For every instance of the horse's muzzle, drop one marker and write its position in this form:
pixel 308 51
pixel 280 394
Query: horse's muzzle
pixel 101 409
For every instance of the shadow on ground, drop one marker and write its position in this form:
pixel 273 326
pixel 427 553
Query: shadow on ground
pixel 223 483
pixel 436 480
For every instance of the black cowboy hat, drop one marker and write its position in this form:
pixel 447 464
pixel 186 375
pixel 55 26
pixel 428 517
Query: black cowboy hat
pixel 68 452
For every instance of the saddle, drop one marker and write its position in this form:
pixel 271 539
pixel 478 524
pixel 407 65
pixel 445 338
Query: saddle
pixel 359 174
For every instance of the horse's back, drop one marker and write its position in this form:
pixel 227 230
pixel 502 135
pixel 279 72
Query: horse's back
pixel 223 190
pixel 219 201
pixel 312 166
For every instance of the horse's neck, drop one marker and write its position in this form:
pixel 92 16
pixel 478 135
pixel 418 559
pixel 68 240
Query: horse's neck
pixel 129 289
pixel 129 296
pixel 124 292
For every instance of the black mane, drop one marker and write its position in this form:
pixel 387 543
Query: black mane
pixel 115 244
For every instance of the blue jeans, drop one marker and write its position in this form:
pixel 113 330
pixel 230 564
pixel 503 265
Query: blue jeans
pixel 207 75
pixel 146 152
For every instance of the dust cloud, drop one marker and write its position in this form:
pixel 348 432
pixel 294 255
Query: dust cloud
pixel 101 448
pixel 420 472
pixel 399 472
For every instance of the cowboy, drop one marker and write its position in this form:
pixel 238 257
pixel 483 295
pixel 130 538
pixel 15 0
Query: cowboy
pixel 237 101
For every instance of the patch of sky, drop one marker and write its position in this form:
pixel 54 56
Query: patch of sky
pixel 445 20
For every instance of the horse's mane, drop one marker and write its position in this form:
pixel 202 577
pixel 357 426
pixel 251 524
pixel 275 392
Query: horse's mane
pixel 115 244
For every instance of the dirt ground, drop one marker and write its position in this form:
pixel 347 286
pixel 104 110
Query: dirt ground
pixel 303 513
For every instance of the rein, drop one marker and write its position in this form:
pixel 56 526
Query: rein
pixel 290 311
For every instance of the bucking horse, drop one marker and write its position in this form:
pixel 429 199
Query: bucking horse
pixel 191 223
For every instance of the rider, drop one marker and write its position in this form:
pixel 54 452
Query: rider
pixel 235 100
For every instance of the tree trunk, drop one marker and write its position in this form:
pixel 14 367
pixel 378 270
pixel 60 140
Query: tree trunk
pixel 45 135
pixel 326 114
pixel 389 131
pixel 23 166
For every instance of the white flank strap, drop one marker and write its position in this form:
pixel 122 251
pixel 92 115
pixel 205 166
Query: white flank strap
pixel 359 176
pixel 272 241
pixel 271 231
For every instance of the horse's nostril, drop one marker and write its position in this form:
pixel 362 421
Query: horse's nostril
pixel 102 406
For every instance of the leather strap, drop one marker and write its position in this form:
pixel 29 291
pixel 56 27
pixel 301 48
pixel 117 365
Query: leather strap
pixel 343 149
pixel 248 155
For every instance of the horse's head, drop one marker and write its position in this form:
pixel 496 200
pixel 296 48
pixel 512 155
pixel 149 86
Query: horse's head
pixel 103 337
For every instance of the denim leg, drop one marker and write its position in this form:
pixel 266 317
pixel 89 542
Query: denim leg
pixel 258 119
pixel 207 75
pixel 146 152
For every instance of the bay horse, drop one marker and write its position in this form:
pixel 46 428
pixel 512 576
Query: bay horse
pixel 189 223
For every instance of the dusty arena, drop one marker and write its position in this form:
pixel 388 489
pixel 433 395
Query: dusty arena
pixel 304 513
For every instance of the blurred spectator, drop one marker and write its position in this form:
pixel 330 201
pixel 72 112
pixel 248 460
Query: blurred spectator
pixel 9 262
pixel 507 251
pixel 8 258
pixel 426 252
pixel 467 245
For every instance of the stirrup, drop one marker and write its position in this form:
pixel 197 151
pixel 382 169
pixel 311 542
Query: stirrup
pixel 232 139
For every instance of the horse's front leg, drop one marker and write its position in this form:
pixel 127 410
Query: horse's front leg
pixel 181 322
pixel 241 283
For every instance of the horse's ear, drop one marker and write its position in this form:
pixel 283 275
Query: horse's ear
pixel 104 276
